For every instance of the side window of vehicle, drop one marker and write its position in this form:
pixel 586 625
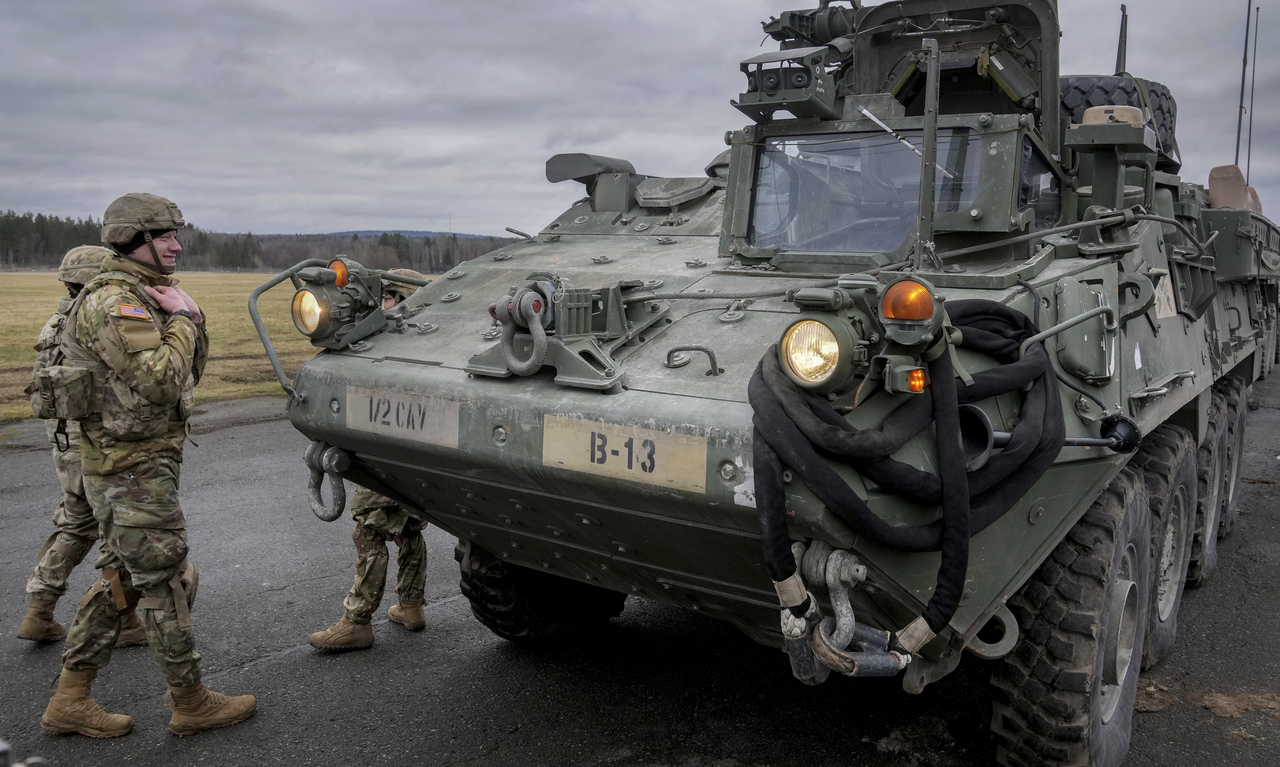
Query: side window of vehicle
pixel 1039 189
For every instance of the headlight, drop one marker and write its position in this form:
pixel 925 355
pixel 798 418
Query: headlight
pixel 811 351
pixel 818 352
pixel 308 313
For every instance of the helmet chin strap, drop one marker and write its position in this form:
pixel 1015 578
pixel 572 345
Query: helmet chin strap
pixel 156 256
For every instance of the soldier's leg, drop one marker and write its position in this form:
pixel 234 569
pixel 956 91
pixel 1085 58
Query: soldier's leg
pixel 89 643
pixel 411 562
pixel 73 536
pixel 94 630
pixel 411 577
pixel 371 574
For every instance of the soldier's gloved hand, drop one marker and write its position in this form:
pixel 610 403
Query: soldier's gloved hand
pixel 171 299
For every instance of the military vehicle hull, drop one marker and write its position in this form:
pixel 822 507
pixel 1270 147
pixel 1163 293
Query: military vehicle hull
pixel 694 390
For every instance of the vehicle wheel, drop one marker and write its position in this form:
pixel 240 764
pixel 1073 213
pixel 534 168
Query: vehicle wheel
pixel 1079 92
pixel 1211 471
pixel 1236 413
pixel 1268 360
pixel 1268 350
pixel 1168 464
pixel 1065 695
pixel 530 607
pixel 1275 342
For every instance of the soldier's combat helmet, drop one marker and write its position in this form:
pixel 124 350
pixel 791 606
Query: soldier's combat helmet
pixel 81 264
pixel 137 218
pixel 400 290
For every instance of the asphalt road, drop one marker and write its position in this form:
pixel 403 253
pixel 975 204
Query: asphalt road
pixel 661 687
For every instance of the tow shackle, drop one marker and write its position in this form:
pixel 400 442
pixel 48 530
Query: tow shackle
pixel 530 308
pixel 323 461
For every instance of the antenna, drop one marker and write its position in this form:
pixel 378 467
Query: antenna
pixel 1248 163
pixel 1248 17
pixel 1122 50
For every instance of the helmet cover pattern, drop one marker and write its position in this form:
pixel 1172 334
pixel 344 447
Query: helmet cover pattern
pixel 82 263
pixel 137 212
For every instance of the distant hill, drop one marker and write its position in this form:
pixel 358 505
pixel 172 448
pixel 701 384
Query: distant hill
pixel 403 232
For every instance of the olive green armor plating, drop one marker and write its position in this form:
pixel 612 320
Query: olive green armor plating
pixel 574 407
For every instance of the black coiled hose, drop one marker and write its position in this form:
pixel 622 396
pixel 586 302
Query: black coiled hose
pixel 800 430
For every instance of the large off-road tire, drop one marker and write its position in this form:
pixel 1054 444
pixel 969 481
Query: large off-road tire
pixel 1079 92
pixel 1065 695
pixel 527 606
pixel 1167 461
pixel 1211 472
pixel 1236 414
pixel 1268 350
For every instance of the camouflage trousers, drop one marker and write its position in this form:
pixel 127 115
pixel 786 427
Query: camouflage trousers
pixel 378 520
pixel 144 546
pixel 75 530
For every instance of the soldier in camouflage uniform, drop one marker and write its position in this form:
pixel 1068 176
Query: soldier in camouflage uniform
pixel 75 527
pixel 378 520
pixel 144 340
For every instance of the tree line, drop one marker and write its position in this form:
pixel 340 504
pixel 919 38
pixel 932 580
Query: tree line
pixel 37 241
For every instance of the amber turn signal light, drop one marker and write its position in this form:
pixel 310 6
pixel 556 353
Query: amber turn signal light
pixel 344 274
pixel 907 300
pixel 915 380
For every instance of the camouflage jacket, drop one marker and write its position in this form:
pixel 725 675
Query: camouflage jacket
pixel 148 361
pixel 46 355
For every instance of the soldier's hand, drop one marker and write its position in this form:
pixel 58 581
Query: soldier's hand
pixel 170 299
pixel 196 314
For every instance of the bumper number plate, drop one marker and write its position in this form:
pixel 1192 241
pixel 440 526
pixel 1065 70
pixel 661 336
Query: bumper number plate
pixel 409 416
pixel 625 452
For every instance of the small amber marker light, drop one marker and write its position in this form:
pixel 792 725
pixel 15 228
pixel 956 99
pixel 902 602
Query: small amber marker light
pixel 344 274
pixel 915 380
pixel 907 300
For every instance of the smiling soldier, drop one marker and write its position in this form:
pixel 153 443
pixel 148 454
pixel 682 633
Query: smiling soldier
pixel 75 526
pixel 144 340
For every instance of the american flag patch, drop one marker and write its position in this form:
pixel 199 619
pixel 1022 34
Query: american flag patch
pixel 136 312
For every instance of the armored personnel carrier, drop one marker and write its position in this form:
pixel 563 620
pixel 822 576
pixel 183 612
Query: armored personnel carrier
pixel 940 356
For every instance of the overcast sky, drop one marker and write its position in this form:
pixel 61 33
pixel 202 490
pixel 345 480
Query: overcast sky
pixel 279 116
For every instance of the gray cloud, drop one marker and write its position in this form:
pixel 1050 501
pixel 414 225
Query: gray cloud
pixel 285 116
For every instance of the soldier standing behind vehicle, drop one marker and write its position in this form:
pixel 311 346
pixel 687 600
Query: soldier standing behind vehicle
pixel 73 520
pixel 378 520
pixel 144 340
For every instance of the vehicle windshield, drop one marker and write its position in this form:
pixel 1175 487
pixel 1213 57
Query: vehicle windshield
pixel 855 193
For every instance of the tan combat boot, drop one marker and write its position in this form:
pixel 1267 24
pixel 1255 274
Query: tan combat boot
pixel 39 625
pixel 343 635
pixel 132 632
pixel 72 710
pixel 409 617
pixel 196 709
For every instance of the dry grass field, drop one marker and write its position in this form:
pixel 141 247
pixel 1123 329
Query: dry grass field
pixel 238 366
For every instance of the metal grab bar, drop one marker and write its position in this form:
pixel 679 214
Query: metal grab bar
pixel 1076 320
pixel 287 274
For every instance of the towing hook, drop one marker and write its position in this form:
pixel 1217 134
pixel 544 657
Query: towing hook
pixel 832 637
pixel 324 461
pixel 526 308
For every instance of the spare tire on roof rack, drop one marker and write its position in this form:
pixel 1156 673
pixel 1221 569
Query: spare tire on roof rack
pixel 1079 92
